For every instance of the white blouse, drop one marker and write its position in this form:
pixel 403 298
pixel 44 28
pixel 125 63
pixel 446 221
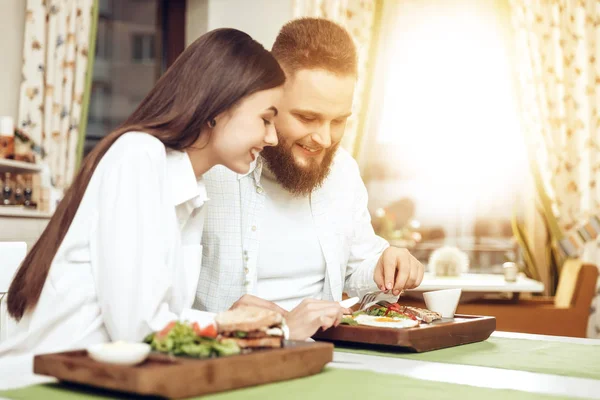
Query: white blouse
pixel 130 261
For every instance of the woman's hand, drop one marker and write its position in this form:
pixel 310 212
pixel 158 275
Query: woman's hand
pixel 249 300
pixel 310 315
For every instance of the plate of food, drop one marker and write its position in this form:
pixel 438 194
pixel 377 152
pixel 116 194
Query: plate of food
pixel 188 359
pixel 391 315
pixel 233 332
pixel 407 328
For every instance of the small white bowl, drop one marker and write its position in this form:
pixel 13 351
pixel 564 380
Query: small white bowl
pixel 120 353
pixel 444 302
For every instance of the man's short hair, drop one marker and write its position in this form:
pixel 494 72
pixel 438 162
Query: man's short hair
pixel 315 43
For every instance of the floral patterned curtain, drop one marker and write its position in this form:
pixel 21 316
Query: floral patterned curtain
pixel 357 16
pixel 55 59
pixel 558 44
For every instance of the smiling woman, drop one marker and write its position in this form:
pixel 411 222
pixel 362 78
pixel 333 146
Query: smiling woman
pixel 133 219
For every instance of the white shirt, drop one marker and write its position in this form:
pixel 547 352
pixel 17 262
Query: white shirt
pixel 292 267
pixel 232 230
pixel 130 260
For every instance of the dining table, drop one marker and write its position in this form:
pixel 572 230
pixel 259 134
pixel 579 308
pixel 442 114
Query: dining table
pixel 474 286
pixel 505 366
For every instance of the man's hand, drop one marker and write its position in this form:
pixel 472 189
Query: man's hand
pixel 397 270
pixel 310 315
pixel 249 300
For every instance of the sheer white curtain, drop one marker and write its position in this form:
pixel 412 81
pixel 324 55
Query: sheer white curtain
pixel 557 60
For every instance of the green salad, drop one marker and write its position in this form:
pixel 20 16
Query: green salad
pixel 179 338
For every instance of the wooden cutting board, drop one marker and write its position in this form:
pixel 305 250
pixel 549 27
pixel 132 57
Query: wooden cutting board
pixel 461 329
pixel 180 377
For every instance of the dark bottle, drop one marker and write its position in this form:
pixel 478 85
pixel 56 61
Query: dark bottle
pixel 28 192
pixel 7 190
pixel 18 190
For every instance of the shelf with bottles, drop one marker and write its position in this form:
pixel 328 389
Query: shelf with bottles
pixel 25 186
pixel 18 151
pixel 18 198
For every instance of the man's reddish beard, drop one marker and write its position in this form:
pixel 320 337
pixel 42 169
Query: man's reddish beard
pixel 296 179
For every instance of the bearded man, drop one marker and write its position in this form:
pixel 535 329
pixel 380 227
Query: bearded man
pixel 296 226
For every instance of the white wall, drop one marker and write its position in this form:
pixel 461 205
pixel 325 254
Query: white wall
pixel 12 24
pixel 261 19
pixel 196 19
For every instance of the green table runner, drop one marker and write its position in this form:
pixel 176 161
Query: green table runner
pixel 566 359
pixel 331 384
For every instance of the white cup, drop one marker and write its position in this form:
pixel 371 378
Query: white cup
pixel 443 302
pixel 510 271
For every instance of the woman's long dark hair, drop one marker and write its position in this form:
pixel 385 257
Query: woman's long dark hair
pixel 209 77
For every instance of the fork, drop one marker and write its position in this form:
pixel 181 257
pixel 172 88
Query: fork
pixel 371 298
pixel 368 298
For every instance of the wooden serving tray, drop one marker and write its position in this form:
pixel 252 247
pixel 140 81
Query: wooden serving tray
pixel 179 377
pixel 461 329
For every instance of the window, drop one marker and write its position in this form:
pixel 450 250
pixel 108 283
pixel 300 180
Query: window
pixel 104 40
pixel 120 82
pixel 449 157
pixel 131 38
pixel 105 7
pixel 99 121
pixel 143 48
